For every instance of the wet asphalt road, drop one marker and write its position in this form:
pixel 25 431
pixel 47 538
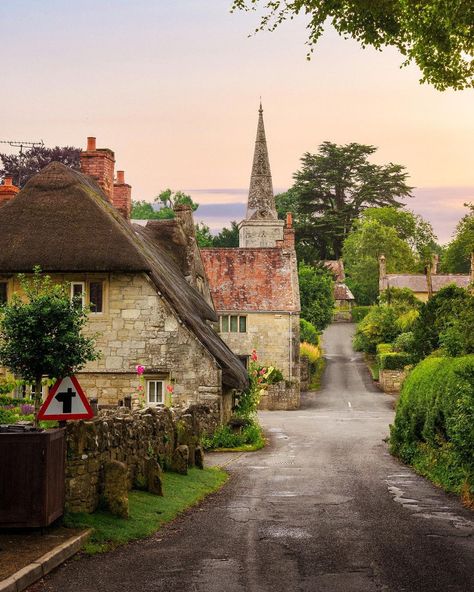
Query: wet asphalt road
pixel 324 508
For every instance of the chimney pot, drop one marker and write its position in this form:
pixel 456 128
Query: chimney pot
pixel 120 177
pixel 91 144
pixel 289 219
pixel 8 181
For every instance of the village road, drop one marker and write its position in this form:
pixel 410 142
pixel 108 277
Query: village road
pixel 324 508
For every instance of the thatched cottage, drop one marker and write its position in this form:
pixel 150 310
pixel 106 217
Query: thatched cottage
pixel 255 286
pixel 146 286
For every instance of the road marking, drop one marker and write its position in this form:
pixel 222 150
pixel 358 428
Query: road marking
pixel 349 404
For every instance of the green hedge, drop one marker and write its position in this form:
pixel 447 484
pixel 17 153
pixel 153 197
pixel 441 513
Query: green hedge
pixel 393 360
pixel 359 312
pixel 308 332
pixel 7 400
pixel 384 348
pixel 434 423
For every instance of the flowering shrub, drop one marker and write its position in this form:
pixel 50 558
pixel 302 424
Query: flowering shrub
pixel 138 397
pixel 260 378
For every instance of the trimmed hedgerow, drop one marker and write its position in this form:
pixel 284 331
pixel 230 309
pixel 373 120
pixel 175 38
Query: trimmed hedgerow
pixel 359 312
pixel 393 360
pixel 383 348
pixel 434 423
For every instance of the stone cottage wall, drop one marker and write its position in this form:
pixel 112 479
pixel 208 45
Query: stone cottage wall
pixel 139 328
pixel 132 438
pixel 280 397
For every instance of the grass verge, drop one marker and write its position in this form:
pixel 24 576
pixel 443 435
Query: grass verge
pixel 148 512
pixel 373 367
pixel 317 374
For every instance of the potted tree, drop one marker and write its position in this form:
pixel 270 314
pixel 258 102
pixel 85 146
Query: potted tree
pixel 40 336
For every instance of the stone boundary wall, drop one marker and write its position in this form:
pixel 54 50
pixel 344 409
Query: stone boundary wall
pixel 305 373
pixel 280 397
pixel 132 437
pixel 391 381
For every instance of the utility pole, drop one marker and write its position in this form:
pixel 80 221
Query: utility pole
pixel 21 144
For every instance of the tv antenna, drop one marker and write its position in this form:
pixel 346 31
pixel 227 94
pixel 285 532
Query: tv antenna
pixel 22 144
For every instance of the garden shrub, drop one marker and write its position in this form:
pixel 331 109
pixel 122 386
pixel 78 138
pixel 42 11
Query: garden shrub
pixel 383 348
pixel 8 416
pixel 224 437
pixel 379 326
pixel 404 342
pixel 434 423
pixel 308 332
pixel 359 312
pixel 7 400
pixel 310 351
pixel 393 360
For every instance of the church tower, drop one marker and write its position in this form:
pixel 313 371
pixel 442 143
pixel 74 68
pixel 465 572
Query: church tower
pixel 261 227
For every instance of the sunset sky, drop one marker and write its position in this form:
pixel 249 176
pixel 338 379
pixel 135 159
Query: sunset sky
pixel 172 86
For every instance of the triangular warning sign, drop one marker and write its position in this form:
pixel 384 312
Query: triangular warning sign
pixel 66 400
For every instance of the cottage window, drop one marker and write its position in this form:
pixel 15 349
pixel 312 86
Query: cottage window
pixel 154 392
pixel 3 293
pixel 96 297
pixel 233 324
pixel 78 290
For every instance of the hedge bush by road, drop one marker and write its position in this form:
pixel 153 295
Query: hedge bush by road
pixel 434 423
pixel 393 360
pixel 359 312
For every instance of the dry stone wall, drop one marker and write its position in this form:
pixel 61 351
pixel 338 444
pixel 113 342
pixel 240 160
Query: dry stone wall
pixel 391 381
pixel 281 396
pixel 133 438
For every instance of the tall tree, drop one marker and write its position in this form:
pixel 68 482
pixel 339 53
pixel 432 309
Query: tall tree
pixel 335 185
pixel 166 200
pixel 368 240
pixel 457 257
pixel 23 167
pixel 438 35
pixel 317 295
pixel 227 237
pixel 204 237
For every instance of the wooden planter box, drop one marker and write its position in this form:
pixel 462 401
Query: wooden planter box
pixel 31 478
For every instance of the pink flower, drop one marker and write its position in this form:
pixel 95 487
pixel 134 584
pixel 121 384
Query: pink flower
pixel 140 388
pixel 140 370
pixel 262 371
pixel 254 356
pixel 169 388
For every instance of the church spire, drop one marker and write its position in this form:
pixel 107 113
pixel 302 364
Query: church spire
pixel 261 203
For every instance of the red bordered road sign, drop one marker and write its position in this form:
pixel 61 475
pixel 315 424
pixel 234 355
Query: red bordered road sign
pixel 66 400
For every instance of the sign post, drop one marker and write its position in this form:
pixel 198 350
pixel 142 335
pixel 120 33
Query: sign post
pixel 66 400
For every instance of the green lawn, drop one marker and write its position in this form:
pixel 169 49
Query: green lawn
pixel 148 512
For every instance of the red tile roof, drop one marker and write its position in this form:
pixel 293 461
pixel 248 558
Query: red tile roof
pixel 254 280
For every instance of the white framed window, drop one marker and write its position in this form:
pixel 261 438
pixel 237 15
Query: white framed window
pixel 96 297
pixel 155 392
pixel 233 323
pixel 78 289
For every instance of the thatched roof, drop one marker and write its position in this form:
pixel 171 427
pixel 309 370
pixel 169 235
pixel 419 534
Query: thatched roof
pixel 191 308
pixel 63 222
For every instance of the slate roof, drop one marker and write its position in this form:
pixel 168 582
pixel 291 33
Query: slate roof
pixel 63 222
pixel 418 282
pixel 252 279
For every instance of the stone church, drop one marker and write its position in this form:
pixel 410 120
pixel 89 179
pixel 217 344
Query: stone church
pixel 255 286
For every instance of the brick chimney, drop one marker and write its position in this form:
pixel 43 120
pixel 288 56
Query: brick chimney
pixel 99 164
pixel 7 190
pixel 122 196
pixel 289 232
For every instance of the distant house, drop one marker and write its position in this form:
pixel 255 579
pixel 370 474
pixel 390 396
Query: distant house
pixel 255 286
pixel 343 297
pixel 146 286
pixel 419 283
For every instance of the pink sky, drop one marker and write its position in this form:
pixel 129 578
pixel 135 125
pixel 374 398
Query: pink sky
pixel 173 88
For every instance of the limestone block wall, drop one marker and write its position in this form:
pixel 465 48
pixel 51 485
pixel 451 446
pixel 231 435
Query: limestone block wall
pixel 391 381
pixel 275 336
pixel 139 328
pixel 132 438
pixel 280 397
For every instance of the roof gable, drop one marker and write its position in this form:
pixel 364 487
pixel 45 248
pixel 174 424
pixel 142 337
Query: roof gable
pixel 253 280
